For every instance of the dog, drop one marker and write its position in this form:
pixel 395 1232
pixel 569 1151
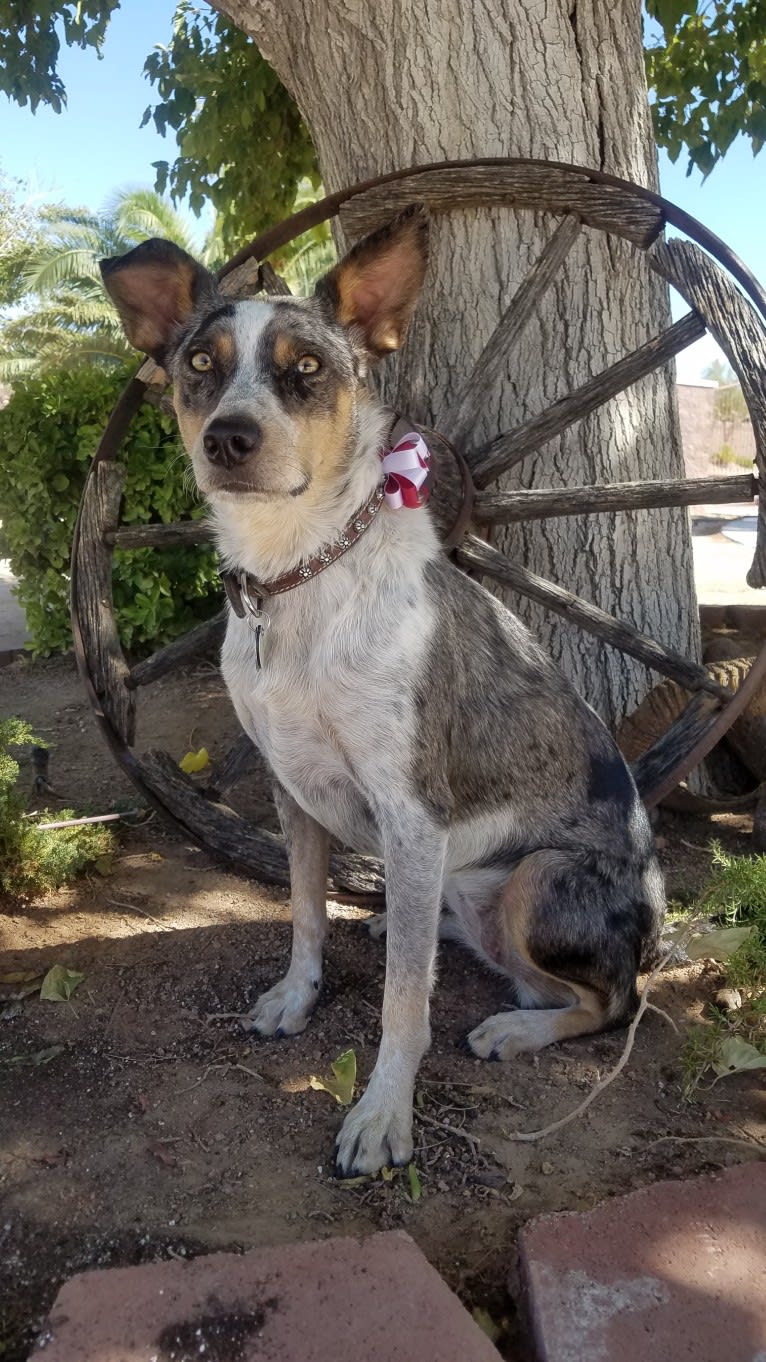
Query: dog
pixel 402 709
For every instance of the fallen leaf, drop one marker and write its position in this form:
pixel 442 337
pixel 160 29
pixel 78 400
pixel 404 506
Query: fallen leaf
pixel 736 1055
pixel 39 1056
pixel 341 1085
pixel 53 1160
pixel 415 1187
pixel 388 1174
pixel 195 761
pixel 163 1155
pixel 486 1323
pixel 103 865
pixel 154 856
pixel 60 983
pixel 20 984
pixel 718 944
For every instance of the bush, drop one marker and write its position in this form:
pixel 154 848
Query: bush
pixel 48 433
pixel 32 858
pixel 727 456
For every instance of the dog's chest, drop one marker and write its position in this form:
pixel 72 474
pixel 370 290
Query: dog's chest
pixel 332 709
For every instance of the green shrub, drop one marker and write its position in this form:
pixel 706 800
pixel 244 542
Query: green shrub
pixel 48 433
pixel 727 456
pixel 32 858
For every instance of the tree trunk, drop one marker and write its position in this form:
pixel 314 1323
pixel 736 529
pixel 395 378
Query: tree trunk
pixel 383 86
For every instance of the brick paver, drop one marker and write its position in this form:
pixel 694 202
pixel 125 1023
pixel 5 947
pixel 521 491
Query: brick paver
pixel 673 1273
pixel 341 1300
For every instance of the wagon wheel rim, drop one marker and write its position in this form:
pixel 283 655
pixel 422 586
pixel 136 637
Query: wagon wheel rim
pixel 520 443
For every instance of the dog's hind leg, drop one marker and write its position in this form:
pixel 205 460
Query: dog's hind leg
pixel 286 1008
pixel 572 929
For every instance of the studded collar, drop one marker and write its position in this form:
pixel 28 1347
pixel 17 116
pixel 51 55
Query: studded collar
pixel 247 594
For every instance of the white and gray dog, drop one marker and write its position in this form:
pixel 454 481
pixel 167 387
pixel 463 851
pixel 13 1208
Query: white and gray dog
pixel 402 710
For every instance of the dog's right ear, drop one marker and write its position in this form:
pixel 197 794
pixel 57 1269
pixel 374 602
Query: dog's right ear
pixel 156 288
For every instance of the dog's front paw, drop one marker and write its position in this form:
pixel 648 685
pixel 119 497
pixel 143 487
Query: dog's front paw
pixel 373 1136
pixel 286 1008
pixel 516 1032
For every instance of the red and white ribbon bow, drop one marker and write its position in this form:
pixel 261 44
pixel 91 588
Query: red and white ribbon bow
pixel 406 469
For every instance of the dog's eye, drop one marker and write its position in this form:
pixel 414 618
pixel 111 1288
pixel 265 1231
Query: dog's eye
pixel 308 364
pixel 201 361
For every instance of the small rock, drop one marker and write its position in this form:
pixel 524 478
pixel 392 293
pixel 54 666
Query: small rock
pixel 729 998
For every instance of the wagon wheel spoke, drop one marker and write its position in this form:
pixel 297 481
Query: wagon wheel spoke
pixel 507 450
pixel 193 644
pixel 475 554
pixel 184 532
pixel 501 508
pixel 462 414
pixel 241 758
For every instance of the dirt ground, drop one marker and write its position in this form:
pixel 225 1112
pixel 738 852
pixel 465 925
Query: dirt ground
pixel 139 1120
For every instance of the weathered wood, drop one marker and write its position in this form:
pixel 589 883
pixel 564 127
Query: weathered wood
pixel 507 450
pixel 272 283
pixel 197 643
pixel 219 829
pixel 463 413
pixel 542 187
pixel 95 608
pixel 160 536
pixel 741 333
pixel 240 760
pixel 480 557
pixel 652 768
pixel 538 503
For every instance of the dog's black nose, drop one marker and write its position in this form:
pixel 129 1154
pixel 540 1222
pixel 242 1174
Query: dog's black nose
pixel 231 442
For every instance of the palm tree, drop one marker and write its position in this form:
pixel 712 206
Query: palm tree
pixel 66 317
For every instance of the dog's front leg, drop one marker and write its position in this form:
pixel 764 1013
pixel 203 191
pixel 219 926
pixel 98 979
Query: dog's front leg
pixel 378 1131
pixel 286 1008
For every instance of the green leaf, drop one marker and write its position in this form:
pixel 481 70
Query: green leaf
pixel 415 1187
pixel 60 983
pixel 341 1085
pixel 718 944
pixel 486 1323
pixel 736 1055
pixel 39 1057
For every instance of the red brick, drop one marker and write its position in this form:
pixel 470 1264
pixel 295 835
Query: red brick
pixel 341 1300
pixel 673 1273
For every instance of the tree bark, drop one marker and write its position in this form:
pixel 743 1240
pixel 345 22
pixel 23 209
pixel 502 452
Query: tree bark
pixel 386 85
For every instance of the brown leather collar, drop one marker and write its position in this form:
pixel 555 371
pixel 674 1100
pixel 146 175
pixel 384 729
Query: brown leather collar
pixel 246 593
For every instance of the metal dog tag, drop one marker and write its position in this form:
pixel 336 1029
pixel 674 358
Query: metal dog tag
pixel 257 620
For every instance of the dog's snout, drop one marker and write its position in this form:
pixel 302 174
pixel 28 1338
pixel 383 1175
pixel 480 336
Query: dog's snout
pixel 229 443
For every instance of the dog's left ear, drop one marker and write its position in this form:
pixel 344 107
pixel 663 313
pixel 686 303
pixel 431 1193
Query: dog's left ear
pixel 156 287
pixel 376 286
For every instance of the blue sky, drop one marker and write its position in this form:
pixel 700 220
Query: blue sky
pixel 96 146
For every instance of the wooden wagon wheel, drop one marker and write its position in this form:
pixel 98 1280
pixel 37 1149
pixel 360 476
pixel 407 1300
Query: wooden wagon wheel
pixel 580 198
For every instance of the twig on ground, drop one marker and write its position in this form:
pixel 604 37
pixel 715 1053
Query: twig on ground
pixel 749 1141
pixel 472 1140
pixel 134 908
pixel 652 1007
pixel 528 1136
